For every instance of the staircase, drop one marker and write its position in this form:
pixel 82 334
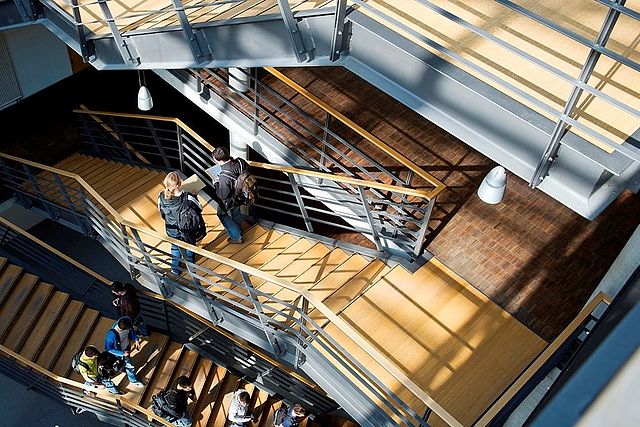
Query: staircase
pixel 48 327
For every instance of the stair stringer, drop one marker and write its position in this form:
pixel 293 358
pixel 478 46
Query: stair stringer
pixel 269 147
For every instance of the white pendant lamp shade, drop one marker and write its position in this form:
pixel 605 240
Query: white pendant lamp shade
pixel 493 185
pixel 145 103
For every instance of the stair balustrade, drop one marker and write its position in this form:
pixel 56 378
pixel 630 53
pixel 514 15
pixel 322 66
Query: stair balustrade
pixel 394 217
pixel 285 323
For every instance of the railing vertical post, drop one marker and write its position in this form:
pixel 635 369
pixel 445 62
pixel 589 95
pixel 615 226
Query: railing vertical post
pixel 257 305
pixel 291 25
pixel 82 40
pixel 127 51
pixel 424 227
pixel 116 129
pixel 367 211
pixel 165 290
pixel 189 34
pixel 325 134
pixel 154 134
pixel 256 98
pixel 127 249
pixel 303 209
pixel 180 149
pixel 91 138
pixel 67 198
pixel 338 30
pixel 39 192
pixel 300 359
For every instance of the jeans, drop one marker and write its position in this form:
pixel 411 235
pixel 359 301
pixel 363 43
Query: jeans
pixel 183 422
pixel 175 258
pixel 232 222
pixel 140 326
pixel 131 370
pixel 108 384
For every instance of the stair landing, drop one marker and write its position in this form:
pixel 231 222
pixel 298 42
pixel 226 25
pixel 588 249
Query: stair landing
pixel 446 336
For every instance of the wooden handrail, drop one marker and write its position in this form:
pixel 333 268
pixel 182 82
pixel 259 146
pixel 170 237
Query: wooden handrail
pixel 330 315
pixel 541 359
pixel 152 295
pixel 428 194
pixel 103 393
pixel 439 186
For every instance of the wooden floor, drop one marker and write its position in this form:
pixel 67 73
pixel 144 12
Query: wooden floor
pixel 48 327
pixel 445 335
pixel 563 53
pixel 153 14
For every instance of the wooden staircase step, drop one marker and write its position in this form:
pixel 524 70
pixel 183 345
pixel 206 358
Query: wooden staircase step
pixel 259 405
pixel 44 325
pixel 186 365
pixel 146 361
pixel 208 397
pixel 76 341
pixel 14 302
pixel 146 182
pixel 199 376
pixel 271 406
pixel 127 184
pixel 47 354
pixel 220 408
pixel 73 162
pixel 8 279
pixel 95 338
pixel 29 315
pixel 286 257
pixel 162 375
pixel 339 277
pixel 3 263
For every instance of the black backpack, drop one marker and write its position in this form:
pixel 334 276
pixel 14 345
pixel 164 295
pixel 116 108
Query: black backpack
pixel 109 365
pixel 76 363
pixel 160 406
pixel 245 186
pixel 191 225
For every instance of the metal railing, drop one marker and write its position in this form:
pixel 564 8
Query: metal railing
pixel 163 315
pixel 394 217
pixel 569 117
pixel 237 293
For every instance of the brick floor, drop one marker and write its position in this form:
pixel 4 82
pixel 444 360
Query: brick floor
pixel 531 255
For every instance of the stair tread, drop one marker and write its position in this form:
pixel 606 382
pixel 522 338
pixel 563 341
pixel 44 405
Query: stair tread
pixel 8 279
pixel 199 376
pixel 206 402
pixel 43 327
pixel 14 302
pixel 161 378
pixel 221 406
pixel 28 316
pixel 76 341
pixel 56 340
pixel 147 361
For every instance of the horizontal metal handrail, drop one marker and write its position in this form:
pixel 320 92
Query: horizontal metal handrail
pixel 542 358
pixel 267 166
pixel 343 326
pixel 81 386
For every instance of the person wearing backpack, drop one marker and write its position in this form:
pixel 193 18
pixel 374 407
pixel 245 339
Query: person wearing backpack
pixel 291 416
pixel 172 404
pixel 120 340
pixel 182 215
pixel 235 187
pixel 86 364
pixel 126 301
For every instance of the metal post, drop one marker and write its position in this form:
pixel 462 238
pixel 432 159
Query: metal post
pixel 291 25
pixel 256 97
pixel 303 209
pixel 39 192
pixel 82 40
pixel 66 196
pixel 127 51
pixel 154 134
pixel 424 227
pixel 338 30
pixel 116 129
pixel 300 359
pixel 127 249
pixel 189 34
pixel 365 205
pixel 92 140
pixel 180 150
pixel 325 134
pixel 273 341
pixel 553 146
pixel 165 290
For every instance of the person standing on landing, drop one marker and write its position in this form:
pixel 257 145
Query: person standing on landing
pixel 229 211
pixel 170 202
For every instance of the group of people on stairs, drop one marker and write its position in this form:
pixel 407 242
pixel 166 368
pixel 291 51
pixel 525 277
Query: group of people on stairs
pixel 235 192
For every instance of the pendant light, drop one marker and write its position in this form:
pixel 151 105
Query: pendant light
pixel 145 103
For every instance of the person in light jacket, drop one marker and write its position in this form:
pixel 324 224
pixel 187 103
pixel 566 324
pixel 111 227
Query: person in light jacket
pixel 239 409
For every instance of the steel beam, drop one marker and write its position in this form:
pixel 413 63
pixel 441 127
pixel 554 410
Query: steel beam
pixel 128 52
pixel 338 30
pixel 551 151
pixel 199 54
pixel 294 32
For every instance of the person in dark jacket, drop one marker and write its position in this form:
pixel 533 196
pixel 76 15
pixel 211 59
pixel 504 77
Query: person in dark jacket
pixel 120 340
pixel 169 201
pixel 294 415
pixel 176 402
pixel 126 301
pixel 229 210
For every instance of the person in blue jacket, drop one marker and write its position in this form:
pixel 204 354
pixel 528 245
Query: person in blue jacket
pixel 119 341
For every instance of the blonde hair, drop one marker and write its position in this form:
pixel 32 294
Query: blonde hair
pixel 172 184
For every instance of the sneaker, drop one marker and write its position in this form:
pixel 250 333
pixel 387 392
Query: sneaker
pixel 137 384
pixel 238 241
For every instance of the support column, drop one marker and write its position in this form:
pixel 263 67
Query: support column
pixel 239 79
pixel 238 145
